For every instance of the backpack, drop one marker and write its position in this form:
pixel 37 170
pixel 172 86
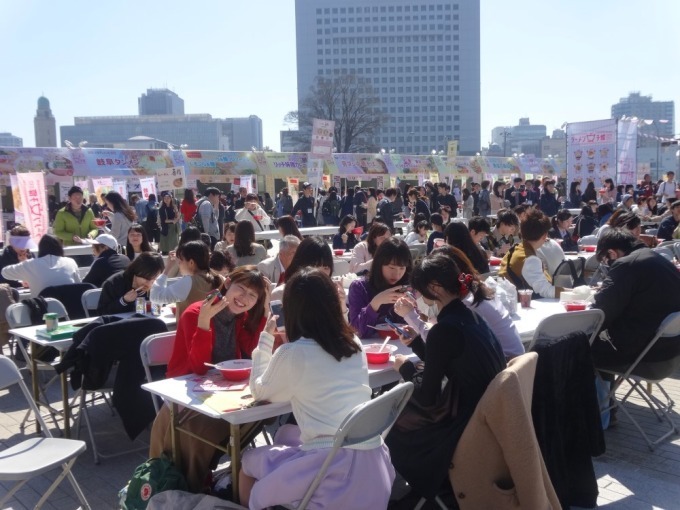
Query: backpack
pixel 570 273
pixel 150 478
pixel 196 218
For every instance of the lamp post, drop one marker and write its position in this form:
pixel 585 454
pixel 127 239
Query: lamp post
pixel 505 135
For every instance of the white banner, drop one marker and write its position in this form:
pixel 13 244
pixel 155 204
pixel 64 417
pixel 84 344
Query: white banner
pixel 148 185
pixel 171 178
pixel 323 134
pixel 102 185
pixel 63 191
pixel 626 164
pixel 315 173
pixel 34 203
pixel 591 151
pixel 16 198
pixel 121 187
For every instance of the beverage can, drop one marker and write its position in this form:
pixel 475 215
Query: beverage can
pixel 140 305
pixel 155 309
pixel 51 321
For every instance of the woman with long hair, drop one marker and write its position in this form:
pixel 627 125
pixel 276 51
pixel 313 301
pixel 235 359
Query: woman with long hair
pixel 228 237
pixel 586 222
pixel 193 260
pixel 458 236
pixel 345 238
pixel 245 251
pixel 575 196
pixel 462 353
pixel 362 254
pixel 137 241
pixel 187 207
pixel 372 205
pixel 468 204
pixel 169 217
pixel 121 215
pixel 288 227
pixel 561 223
pixel 322 372
pixel 211 331
pixel 497 198
pixel 590 193
pixel 371 298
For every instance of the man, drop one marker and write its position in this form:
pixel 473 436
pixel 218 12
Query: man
pixel 502 236
pixel 19 249
pixel 479 230
pixel 275 267
pixel 627 202
pixel 417 204
pixel 241 200
pixel 445 198
pixel 666 191
pixel 305 206
pixel 476 188
pixel 641 289
pixel 208 214
pixel 360 206
pixel 284 204
pixel 252 211
pixel 74 221
pixel 669 224
pixel 385 212
pixel 107 260
pixel 514 193
pixel 140 207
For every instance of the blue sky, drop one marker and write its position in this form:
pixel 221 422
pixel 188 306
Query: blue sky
pixel 550 60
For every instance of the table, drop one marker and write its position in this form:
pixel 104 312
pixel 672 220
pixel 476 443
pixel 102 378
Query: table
pixel 306 231
pixel 527 319
pixel 30 333
pixel 177 391
pixel 70 251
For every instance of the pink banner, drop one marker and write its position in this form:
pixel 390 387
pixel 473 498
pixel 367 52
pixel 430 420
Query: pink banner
pixel 323 134
pixel 34 203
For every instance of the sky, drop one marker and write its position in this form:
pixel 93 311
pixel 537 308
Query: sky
pixel 553 61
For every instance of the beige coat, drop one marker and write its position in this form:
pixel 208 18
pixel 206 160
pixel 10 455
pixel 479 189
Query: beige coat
pixel 498 464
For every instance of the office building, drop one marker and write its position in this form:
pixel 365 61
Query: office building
pixel 160 102
pixel 243 133
pixel 422 58
pixel 660 116
pixel 44 125
pixel 9 140
pixel 556 145
pixel 524 138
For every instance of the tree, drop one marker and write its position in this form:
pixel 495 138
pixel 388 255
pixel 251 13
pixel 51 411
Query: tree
pixel 351 103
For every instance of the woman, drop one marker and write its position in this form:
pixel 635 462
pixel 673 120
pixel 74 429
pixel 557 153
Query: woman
pixel 221 263
pixel 362 254
pixel 648 209
pixel 137 241
pixel 419 234
pixel 590 193
pixel 575 197
pixel 153 231
pixel 371 299
pixel 628 221
pixel 188 207
pixel 122 216
pixel 345 238
pixel 609 192
pixel 193 259
pixel 210 332
pixel 468 204
pixel 245 251
pixel 169 217
pixel 331 208
pixel 497 197
pixel 371 205
pixel 323 373
pixel 287 227
pixel 604 212
pixel 484 200
pixel 191 233
pixel 268 203
pixel 458 236
pixel 522 266
pixel 50 268
pixel 586 222
pixel 462 352
pixel 120 291
pixel 228 238
pixel 560 230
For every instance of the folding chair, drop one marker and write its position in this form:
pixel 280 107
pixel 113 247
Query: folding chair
pixel 558 325
pixel 38 455
pixel 590 240
pixel 676 250
pixel 70 296
pixel 90 300
pixel 155 351
pixel 639 372
pixel 340 267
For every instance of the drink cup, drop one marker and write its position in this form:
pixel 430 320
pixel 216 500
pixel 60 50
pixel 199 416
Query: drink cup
pixel 525 297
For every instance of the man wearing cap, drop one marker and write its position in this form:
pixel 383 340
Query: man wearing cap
pixel 107 262
pixel 305 205
pixel 19 249
pixel 252 211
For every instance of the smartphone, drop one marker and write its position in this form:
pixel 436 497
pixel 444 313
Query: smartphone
pixel 214 296
pixel 404 289
pixel 276 308
pixel 396 328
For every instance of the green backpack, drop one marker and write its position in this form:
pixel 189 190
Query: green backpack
pixel 154 476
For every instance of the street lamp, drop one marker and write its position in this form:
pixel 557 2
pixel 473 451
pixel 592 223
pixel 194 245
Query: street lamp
pixel 505 135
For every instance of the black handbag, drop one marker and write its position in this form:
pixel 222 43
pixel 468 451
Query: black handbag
pixel 415 416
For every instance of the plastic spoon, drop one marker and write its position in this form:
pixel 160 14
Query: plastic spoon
pixel 387 339
pixel 212 365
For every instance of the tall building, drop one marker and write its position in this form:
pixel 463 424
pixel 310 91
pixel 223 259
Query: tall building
pixel 244 133
pixel 662 113
pixel 9 140
pixel 524 138
pixel 160 102
pixel 44 124
pixel 422 58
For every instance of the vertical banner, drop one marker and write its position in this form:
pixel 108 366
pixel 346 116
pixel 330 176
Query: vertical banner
pixel 16 198
pixel 337 182
pixel 102 185
pixel 380 182
pixel 148 185
pixel 121 187
pixel 34 203
pixel 83 184
pixel 170 178
pixel 591 151
pixel 626 162
pixel 315 172
pixel 63 191
pixel 323 133
pixel 293 185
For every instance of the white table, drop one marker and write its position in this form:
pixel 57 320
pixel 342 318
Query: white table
pixel 527 319
pixel 306 231
pixel 178 392
pixel 70 251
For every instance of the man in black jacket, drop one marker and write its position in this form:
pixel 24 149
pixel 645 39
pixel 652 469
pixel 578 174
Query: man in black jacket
pixel 305 206
pixel 385 211
pixel 446 198
pixel 107 262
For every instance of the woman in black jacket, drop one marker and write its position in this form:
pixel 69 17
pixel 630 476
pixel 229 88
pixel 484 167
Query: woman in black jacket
pixel 561 223
pixel 121 290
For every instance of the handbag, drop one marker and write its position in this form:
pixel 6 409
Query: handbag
pixel 415 416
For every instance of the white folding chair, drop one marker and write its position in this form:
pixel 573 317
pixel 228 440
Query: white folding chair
pixel 364 422
pixel 676 250
pixel 38 455
pixel 156 350
pixel 665 251
pixel 640 372
pixel 590 240
pixel 90 300
pixel 560 324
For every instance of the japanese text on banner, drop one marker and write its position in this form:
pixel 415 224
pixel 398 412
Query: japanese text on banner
pixel 148 185
pixel 34 203
pixel 323 133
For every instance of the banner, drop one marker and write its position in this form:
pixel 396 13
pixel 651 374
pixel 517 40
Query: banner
pixel 16 198
pixel 119 162
pixel 315 173
pixel 323 134
pixel 626 163
pixel 102 185
pixel 148 185
pixel 170 178
pixel 121 187
pixel 214 166
pixel 361 164
pixel 64 187
pixel 34 203
pixel 417 164
pixel 282 164
pixel 83 184
pixel 591 151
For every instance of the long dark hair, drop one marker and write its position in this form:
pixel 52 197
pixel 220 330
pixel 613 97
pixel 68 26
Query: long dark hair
pixel 145 246
pixel 289 227
pixel 245 237
pixel 200 254
pixel 458 236
pixel 377 229
pixel 147 265
pixel 391 251
pixel 120 205
pixel 346 220
pixel 436 268
pixel 189 196
pixel 480 291
pixel 312 251
pixel 312 309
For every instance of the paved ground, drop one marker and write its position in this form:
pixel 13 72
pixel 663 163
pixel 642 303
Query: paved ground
pixel 629 475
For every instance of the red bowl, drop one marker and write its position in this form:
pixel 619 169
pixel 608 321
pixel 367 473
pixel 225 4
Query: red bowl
pixel 495 261
pixel 235 369
pixel 339 253
pixel 574 306
pixel 377 357
pixel 173 309
pixel 99 222
pixel 590 248
pixel 358 231
pixel 406 220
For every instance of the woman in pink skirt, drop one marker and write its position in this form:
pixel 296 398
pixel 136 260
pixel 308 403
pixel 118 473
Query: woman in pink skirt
pixel 323 372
